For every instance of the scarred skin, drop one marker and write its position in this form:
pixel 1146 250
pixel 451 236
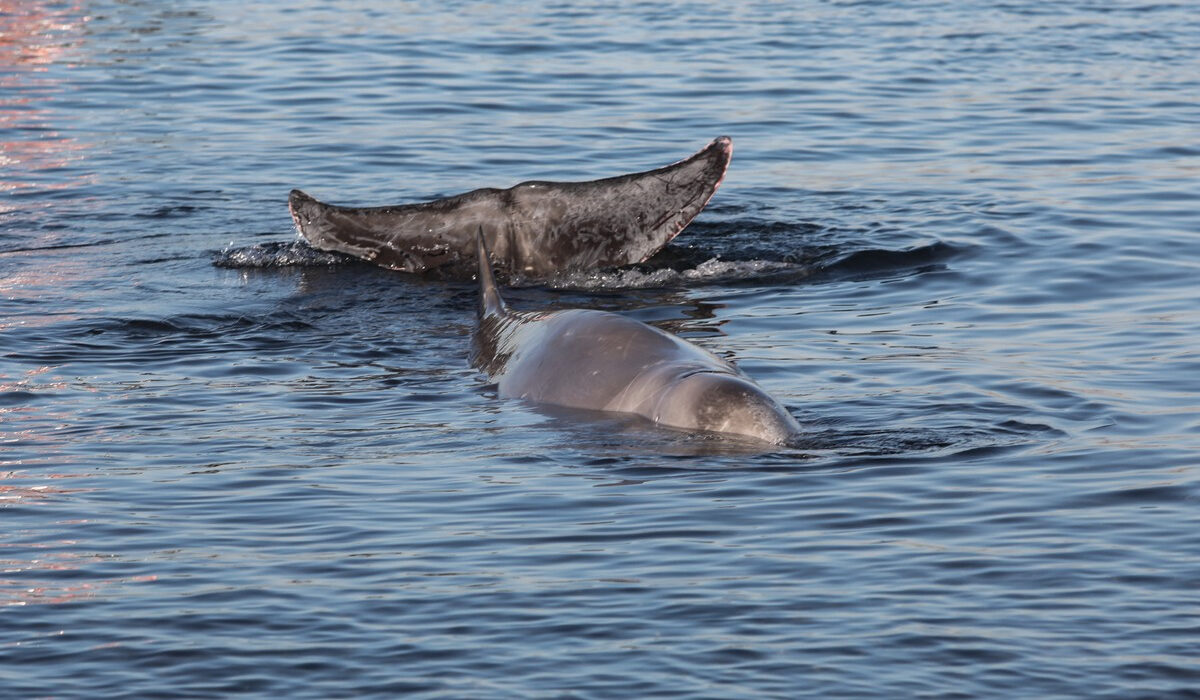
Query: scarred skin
pixel 536 229
pixel 603 361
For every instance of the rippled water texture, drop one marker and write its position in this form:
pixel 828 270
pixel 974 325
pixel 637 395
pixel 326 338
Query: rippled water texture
pixel 959 241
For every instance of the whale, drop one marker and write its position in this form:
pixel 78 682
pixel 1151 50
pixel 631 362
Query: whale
pixel 534 229
pixel 603 361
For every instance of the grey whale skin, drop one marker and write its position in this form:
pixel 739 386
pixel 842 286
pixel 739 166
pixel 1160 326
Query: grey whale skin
pixel 598 360
pixel 535 228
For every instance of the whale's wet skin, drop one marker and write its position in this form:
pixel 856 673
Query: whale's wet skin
pixel 602 361
pixel 958 243
pixel 535 228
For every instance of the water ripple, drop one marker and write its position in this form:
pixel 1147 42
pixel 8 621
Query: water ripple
pixel 957 241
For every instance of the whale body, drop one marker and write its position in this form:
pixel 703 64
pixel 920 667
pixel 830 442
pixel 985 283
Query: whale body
pixel 535 229
pixel 597 360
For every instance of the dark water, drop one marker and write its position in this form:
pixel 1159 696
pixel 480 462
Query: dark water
pixel 960 241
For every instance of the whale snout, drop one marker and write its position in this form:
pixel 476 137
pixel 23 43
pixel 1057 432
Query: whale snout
pixel 726 403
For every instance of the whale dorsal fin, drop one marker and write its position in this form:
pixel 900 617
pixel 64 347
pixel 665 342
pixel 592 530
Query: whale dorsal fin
pixel 490 302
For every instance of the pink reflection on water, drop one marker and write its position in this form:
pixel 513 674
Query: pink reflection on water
pixel 33 36
pixel 38 276
pixel 33 422
pixel 31 33
pixel 10 493
pixel 27 569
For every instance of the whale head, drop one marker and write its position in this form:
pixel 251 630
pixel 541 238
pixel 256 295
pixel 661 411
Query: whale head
pixel 727 403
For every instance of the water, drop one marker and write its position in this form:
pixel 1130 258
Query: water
pixel 957 240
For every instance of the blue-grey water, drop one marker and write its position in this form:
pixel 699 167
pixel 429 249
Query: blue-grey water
pixel 959 241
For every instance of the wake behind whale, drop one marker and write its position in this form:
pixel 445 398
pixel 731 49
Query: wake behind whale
pixel 715 254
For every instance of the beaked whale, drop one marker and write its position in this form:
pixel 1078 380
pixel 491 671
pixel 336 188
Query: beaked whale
pixel 598 360
pixel 535 229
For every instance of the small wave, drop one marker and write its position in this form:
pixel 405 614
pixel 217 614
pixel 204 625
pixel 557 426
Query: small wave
pixel 174 339
pixel 710 271
pixel 862 264
pixel 872 262
pixel 742 254
pixel 267 255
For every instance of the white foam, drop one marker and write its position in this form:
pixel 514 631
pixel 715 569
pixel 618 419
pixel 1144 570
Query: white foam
pixel 264 255
pixel 711 270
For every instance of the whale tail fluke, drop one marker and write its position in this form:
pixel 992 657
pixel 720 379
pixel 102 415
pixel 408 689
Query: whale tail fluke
pixel 490 302
pixel 550 227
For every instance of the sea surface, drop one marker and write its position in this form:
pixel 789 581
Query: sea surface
pixel 960 242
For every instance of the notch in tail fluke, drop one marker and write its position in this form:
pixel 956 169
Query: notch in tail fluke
pixel 490 303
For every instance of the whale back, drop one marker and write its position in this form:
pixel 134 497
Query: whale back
pixel 596 360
